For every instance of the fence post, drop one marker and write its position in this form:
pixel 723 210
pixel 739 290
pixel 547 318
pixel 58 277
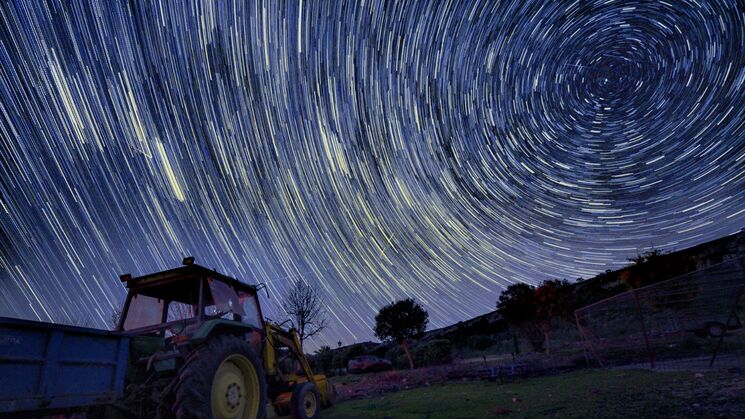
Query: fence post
pixel 650 354
pixel 586 343
pixel 584 339
pixel 732 313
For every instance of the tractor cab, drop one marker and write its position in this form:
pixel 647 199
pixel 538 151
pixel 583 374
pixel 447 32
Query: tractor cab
pixel 179 301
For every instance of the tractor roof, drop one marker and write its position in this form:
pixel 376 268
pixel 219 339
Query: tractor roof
pixel 182 273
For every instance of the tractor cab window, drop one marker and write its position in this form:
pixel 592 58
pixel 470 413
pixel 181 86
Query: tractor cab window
pixel 250 305
pixel 161 305
pixel 143 311
pixel 222 301
pixel 180 311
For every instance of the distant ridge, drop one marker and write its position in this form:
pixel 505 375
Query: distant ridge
pixel 714 251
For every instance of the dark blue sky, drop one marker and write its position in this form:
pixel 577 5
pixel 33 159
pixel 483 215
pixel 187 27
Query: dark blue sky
pixel 435 150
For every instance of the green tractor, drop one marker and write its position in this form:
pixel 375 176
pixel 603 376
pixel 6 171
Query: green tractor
pixel 201 348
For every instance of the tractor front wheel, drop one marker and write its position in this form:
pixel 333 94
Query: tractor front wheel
pixel 331 394
pixel 306 402
pixel 222 379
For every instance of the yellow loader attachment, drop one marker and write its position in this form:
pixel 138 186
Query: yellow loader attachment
pixel 293 388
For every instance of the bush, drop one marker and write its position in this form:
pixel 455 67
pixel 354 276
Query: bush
pixel 396 355
pixel 356 350
pixel 337 361
pixel 381 350
pixel 392 352
pixel 323 359
pixel 401 362
pixel 480 341
pixel 434 352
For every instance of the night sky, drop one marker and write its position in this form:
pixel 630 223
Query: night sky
pixel 435 150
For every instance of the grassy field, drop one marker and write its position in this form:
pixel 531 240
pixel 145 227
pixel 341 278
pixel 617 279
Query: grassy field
pixel 588 393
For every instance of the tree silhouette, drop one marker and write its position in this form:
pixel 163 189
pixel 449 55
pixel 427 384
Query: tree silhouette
pixel 656 266
pixel 324 358
pixel 516 305
pixel 553 299
pixel 400 322
pixel 531 309
pixel 304 306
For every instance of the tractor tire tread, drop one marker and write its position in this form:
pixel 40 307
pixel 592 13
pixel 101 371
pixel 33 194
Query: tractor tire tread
pixel 193 389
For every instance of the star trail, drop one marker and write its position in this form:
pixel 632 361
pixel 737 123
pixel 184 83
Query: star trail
pixel 378 150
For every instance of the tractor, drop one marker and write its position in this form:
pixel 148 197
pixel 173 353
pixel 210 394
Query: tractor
pixel 190 343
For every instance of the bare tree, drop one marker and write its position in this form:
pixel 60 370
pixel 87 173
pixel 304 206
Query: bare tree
pixel 307 315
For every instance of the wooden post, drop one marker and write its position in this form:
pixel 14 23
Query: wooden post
pixel 650 354
pixel 733 313
pixel 587 343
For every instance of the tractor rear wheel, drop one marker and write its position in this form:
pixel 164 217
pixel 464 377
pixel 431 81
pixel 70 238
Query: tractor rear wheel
pixel 306 402
pixel 222 379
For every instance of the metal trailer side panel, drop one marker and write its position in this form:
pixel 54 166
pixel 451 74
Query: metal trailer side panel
pixel 44 366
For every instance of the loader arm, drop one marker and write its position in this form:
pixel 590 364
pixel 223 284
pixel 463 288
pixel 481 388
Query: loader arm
pixel 278 337
pixel 284 385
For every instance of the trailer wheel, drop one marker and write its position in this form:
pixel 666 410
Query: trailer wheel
pixel 306 402
pixel 222 379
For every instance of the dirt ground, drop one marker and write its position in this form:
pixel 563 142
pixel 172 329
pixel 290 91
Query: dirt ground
pixel 501 369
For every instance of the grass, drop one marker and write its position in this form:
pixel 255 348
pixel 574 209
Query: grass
pixel 347 378
pixel 588 393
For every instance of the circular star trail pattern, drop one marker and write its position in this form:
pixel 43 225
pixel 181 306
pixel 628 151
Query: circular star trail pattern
pixel 435 150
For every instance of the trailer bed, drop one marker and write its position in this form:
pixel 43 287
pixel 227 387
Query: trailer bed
pixel 45 366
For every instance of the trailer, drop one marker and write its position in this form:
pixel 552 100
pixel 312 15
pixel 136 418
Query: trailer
pixel 51 367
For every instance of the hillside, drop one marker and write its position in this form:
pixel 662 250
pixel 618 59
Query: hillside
pixel 490 329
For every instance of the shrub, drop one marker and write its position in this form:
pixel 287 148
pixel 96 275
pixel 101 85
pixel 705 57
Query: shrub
pixel 401 362
pixel 323 359
pixel 480 341
pixel 434 352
